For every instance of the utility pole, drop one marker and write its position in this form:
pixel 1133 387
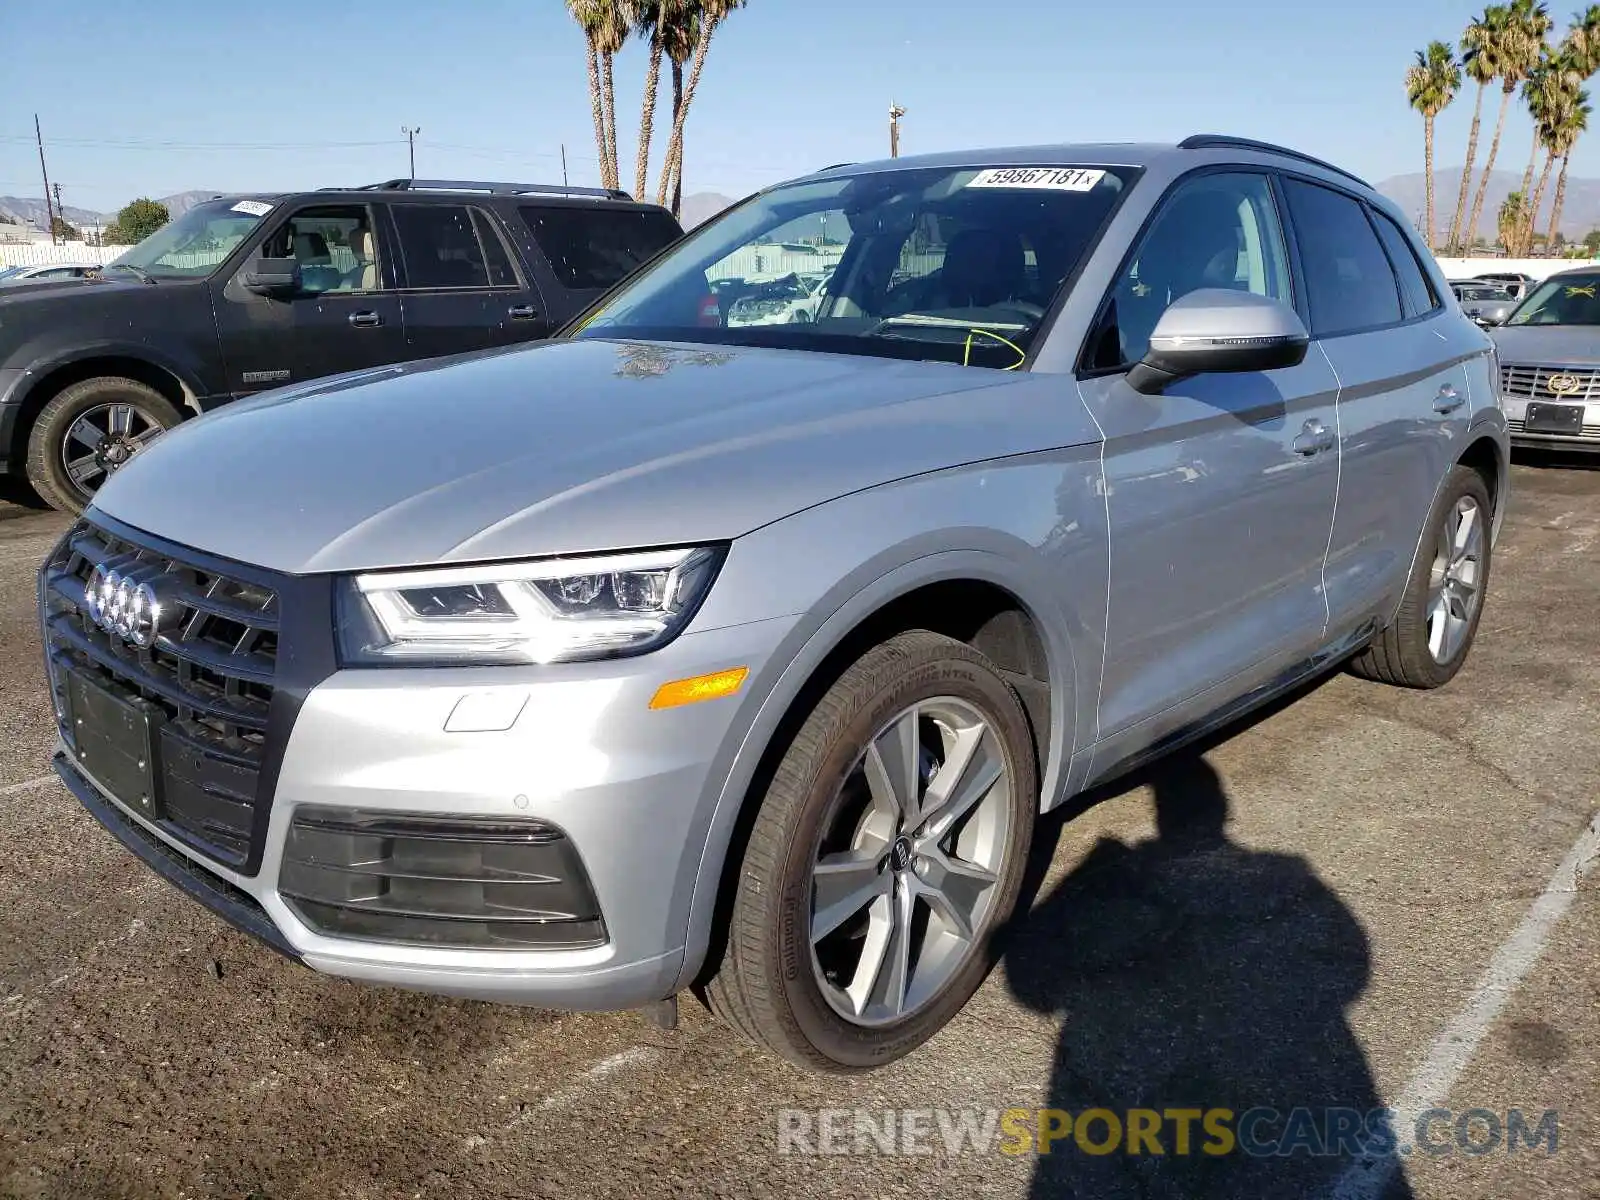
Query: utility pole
pixel 49 213
pixel 411 146
pixel 61 215
pixel 895 113
pixel 564 165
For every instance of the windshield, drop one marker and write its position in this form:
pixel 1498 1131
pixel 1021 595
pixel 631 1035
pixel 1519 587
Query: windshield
pixel 1562 300
pixel 195 244
pixel 955 265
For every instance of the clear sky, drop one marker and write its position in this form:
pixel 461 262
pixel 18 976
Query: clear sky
pixel 177 94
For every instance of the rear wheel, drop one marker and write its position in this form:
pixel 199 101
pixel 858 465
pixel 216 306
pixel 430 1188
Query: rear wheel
pixel 87 432
pixel 1428 640
pixel 887 851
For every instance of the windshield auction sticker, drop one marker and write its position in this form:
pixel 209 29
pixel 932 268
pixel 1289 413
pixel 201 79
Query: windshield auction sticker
pixel 1055 179
pixel 254 208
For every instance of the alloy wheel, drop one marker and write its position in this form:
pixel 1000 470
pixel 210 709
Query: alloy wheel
pixel 1454 584
pixel 102 439
pixel 904 877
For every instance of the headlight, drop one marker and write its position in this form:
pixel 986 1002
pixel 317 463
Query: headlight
pixel 557 610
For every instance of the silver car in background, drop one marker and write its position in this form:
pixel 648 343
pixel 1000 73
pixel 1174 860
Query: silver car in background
pixel 1549 351
pixel 1486 304
pixel 675 654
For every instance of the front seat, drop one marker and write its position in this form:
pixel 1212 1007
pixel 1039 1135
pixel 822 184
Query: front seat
pixel 981 267
pixel 317 272
pixel 1194 245
pixel 363 277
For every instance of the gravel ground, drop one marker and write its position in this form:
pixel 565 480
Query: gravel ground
pixel 1375 921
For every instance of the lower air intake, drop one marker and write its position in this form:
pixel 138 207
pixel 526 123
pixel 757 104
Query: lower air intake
pixel 438 881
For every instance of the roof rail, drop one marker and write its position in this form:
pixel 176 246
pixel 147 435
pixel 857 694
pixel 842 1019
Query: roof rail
pixel 498 189
pixel 1209 141
pixel 833 166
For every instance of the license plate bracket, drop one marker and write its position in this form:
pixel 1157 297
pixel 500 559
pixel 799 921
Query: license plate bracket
pixel 1554 418
pixel 117 742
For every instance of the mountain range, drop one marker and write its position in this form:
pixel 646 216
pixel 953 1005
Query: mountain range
pixel 30 210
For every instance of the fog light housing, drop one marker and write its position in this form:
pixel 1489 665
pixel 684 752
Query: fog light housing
pixel 465 882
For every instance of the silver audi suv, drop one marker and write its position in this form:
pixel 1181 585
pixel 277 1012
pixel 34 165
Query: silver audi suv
pixel 670 654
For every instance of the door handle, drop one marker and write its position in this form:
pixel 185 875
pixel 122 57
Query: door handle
pixel 1448 400
pixel 523 312
pixel 365 320
pixel 1315 437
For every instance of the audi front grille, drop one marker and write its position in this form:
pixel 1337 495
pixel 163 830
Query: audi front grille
pixel 174 722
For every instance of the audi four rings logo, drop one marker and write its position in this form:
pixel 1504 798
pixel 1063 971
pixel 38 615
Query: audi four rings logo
pixel 124 602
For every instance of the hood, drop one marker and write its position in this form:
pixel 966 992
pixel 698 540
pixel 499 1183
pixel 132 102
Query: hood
pixel 1548 345
pixel 24 294
pixel 561 448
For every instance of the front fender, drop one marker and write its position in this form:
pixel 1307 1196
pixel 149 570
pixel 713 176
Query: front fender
pixel 1031 545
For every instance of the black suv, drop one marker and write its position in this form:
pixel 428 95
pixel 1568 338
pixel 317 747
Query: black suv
pixel 245 293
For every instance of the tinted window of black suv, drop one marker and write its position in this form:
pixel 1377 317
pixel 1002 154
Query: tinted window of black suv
pixel 246 293
pixel 591 248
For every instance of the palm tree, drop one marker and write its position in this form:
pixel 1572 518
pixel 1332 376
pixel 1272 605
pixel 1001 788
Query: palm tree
pixel 1480 58
pixel 653 18
pixel 1537 91
pixel 1520 40
pixel 1573 122
pixel 680 35
pixel 590 16
pixel 712 14
pixel 1551 92
pixel 1431 83
pixel 616 23
pixel 1510 221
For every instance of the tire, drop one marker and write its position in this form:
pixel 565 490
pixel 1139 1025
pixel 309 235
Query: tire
pixel 99 401
pixel 1406 654
pixel 771 984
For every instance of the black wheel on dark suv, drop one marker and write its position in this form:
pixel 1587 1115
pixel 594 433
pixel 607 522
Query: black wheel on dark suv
pixel 84 434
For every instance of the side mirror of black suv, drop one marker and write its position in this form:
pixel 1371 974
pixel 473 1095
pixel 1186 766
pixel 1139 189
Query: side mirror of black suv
pixel 273 277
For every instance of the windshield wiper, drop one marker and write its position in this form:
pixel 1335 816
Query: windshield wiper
pixel 144 276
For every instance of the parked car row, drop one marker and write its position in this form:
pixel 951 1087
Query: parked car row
pixel 682 652
pixel 42 272
pixel 246 293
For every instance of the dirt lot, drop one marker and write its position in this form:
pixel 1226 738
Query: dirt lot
pixel 1395 913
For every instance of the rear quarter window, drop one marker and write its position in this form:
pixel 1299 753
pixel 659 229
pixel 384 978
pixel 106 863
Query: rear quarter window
pixel 598 247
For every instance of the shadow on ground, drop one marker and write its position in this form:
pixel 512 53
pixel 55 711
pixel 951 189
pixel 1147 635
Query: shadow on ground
pixel 1191 972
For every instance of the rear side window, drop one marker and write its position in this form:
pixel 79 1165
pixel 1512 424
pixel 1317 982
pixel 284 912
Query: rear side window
pixel 1349 284
pixel 1415 289
pixel 440 246
pixel 597 247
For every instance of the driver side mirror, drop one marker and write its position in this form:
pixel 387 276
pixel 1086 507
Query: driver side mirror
pixel 1218 330
pixel 274 277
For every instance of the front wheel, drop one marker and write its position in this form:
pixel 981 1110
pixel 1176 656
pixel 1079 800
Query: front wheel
pixel 1428 640
pixel 887 851
pixel 87 432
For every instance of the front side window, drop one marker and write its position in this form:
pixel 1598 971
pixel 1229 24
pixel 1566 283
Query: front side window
pixel 1561 300
pixel 1349 283
pixel 949 264
pixel 333 247
pixel 1215 231
pixel 196 243
pixel 441 247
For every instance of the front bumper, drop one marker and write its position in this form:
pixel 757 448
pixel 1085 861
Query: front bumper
pixel 632 788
